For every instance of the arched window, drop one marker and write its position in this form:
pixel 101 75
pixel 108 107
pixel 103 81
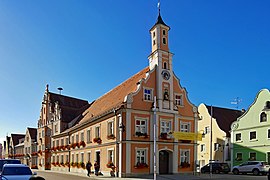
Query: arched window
pixel 164 41
pixel 263 117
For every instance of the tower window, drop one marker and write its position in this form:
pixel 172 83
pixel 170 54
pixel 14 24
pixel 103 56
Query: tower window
pixel 164 32
pixel 154 42
pixel 154 34
pixel 165 65
pixel 164 40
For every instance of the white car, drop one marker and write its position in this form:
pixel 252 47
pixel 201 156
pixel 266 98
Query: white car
pixel 254 167
pixel 16 172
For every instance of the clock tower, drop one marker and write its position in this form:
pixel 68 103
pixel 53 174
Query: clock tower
pixel 161 59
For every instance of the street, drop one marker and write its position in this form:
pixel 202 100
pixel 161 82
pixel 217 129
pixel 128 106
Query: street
pixel 51 175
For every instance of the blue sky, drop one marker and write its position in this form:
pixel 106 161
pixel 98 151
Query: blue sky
pixel 222 50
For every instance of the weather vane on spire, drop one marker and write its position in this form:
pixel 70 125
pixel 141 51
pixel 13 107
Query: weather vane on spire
pixel 158 5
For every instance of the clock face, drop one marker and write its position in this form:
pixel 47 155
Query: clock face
pixel 166 74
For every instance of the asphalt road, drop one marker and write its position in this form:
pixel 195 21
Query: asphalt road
pixel 50 175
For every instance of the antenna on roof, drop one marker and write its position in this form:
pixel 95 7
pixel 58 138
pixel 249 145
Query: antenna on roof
pixel 60 90
pixel 236 101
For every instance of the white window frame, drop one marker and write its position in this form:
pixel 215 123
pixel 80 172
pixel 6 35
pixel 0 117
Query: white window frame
pixel 145 150
pixel 146 96
pixel 236 137
pixel 88 135
pixel 110 126
pixel 82 135
pixel 183 129
pixel 97 132
pixel 207 129
pixel 165 126
pixel 184 156
pixel 203 148
pixel 110 156
pixel 139 128
pixel 250 136
pixel 178 102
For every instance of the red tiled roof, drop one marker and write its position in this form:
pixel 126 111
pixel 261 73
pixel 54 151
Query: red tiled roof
pixel 224 117
pixel 115 97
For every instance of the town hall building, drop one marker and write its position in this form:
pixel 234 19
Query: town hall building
pixel 117 129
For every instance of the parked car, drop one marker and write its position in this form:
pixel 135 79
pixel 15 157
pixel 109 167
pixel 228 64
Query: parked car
pixel 217 167
pixel 8 161
pixel 254 167
pixel 16 172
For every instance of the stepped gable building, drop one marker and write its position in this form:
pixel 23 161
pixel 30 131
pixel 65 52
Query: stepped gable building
pixel 222 118
pixel 58 113
pixel 117 129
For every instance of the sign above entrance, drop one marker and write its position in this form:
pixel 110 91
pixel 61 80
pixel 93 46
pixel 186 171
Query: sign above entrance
pixel 187 136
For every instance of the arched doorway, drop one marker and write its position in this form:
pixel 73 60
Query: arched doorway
pixel 163 162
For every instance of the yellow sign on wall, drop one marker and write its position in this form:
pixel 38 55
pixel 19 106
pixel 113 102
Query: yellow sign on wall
pixel 187 136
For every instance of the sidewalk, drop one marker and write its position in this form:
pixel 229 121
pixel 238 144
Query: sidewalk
pixel 145 177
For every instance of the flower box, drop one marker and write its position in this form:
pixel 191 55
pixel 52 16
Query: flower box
pixel 141 165
pixel 82 143
pixel 97 140
pixel 140 134
pixel 111 136
pixel 184 165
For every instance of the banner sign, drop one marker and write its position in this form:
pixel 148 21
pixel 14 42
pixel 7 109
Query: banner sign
pixel 187 136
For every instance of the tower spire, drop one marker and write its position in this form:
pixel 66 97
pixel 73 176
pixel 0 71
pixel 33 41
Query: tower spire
pixel 158 6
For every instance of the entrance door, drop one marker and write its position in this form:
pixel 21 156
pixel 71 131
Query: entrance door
pixel 163 162
pixel 98 157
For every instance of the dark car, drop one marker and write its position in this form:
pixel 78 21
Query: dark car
pixel 8 161
pixel 217 168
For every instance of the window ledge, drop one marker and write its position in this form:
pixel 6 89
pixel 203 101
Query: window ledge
pixel 239 141
pixel 253 140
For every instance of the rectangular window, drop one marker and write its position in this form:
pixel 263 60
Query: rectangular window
pixel 252 156
pixel 72 139
pixel 67 159
pixel 178 100
pixel 82 157
pixel 207 130
pixel 184 127
pixel 185 157
pixel 72 158
pixel 252 135
pixel 141 126
pixel 97 132
pixel 82 136
pixel 77 158
pixel 62 142
pixel 110 128
pixel 67 141
pixel 238 137
pixel 148 94
pixel 141 156
pixel 202 147
pixel 77 137
pixel 89 156
pixel 57 142
pixel 110 156
pixel 165 126
pixel 239 157
pixel 88 136
pixel 62 159
pixel 268 134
